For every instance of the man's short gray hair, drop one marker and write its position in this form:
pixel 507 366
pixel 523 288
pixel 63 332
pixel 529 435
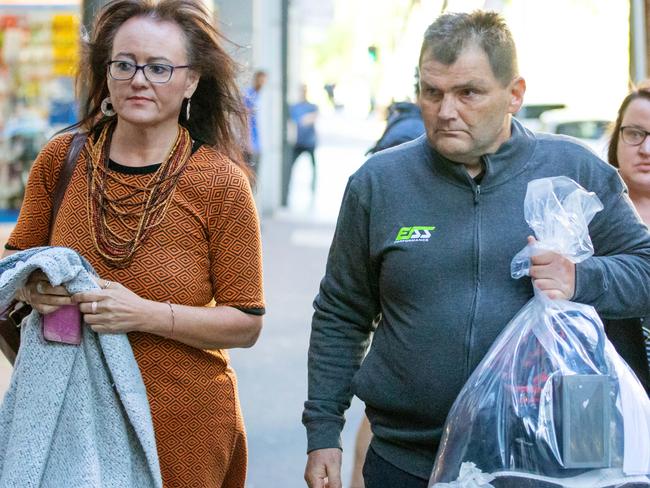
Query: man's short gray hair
pixel 446 38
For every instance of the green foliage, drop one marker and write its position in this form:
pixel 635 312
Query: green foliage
pixel 333 55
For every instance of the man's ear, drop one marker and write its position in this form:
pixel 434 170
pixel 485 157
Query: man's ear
pixel 517 90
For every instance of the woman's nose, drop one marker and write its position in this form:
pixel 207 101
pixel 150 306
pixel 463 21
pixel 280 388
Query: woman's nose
pixel 644 147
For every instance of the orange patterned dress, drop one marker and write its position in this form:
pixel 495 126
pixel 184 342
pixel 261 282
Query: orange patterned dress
pixel 206 250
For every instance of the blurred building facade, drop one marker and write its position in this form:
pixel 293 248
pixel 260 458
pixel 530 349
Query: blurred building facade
pixel 39 49
pixel 39 54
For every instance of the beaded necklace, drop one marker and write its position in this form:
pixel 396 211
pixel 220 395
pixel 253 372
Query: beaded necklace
pixel 146 205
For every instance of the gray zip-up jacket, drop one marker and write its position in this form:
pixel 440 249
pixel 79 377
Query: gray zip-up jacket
pixel 419 241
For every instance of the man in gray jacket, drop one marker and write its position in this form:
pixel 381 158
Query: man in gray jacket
pixel 425 237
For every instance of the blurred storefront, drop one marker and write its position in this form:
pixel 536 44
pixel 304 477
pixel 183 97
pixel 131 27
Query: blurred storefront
pixel 39 42
pixel 39 50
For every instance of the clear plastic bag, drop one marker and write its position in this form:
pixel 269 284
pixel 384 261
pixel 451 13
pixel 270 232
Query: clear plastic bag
pixel 552 404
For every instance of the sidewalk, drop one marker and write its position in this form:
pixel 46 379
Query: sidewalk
pixel 273 374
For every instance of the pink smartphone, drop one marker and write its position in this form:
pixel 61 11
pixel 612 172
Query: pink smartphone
pixel 63 325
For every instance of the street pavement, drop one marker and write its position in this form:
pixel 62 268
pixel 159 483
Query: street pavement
pixel 272 375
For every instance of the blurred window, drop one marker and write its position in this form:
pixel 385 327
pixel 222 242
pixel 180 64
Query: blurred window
pixel 533 111
pixel 583 129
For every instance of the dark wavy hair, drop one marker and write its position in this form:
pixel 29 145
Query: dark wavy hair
pixel 642 91
pixel 218 115
pixel 446 38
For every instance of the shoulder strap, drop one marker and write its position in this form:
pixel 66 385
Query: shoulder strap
pixel 78 142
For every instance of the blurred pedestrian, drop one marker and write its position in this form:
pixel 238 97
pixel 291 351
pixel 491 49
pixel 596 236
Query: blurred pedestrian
pixel 629 151
pixel 161 206
pixel 331 96
pixel 404 123
pixel 425 237
pixel 251 100
pixel 303 115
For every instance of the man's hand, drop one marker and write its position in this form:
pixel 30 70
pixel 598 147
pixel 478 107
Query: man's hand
pixel 553 274
pixel 323 468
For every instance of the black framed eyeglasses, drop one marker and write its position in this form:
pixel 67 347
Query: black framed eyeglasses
pixel 154 72
pixel 633 136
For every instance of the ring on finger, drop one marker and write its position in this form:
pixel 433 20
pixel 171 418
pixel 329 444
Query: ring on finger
pixel 39 288
pixel 106 285
pixel 93 307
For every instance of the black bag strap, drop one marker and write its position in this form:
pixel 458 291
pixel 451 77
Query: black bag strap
pixel 11 317
pixel 77 144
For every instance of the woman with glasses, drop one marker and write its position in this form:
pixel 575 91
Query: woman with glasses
pixel 629 151
pixel 160 204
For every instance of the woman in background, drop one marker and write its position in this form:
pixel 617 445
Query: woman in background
pixel 629 151
pixel 160 204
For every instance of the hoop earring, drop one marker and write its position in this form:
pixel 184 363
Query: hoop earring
pixel 107 107
pixel 187 109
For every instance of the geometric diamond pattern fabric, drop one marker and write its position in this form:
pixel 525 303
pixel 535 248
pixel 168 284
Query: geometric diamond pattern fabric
pixel 207 250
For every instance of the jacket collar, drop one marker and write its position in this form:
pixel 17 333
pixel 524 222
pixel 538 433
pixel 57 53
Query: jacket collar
pixel 510 159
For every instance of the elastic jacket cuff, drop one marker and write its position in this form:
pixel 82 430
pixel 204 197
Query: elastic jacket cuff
pixel 591 281
pixel 323 434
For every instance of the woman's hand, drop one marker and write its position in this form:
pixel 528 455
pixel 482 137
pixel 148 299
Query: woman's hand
pixel 114 309
pixel 41 295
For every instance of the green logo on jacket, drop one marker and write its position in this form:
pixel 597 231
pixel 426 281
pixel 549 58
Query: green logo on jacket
pixel 414 233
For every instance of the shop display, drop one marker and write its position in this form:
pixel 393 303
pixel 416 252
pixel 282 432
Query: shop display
pixel 38 58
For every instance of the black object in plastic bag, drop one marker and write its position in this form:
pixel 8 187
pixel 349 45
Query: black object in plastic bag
pixel 552 404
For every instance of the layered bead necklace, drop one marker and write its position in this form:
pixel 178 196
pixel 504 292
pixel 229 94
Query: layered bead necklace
pixel 146 205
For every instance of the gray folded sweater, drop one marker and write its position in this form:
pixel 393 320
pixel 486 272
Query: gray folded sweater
pixel 74 416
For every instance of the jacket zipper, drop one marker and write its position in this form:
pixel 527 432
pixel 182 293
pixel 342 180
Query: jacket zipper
pixel 476 188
